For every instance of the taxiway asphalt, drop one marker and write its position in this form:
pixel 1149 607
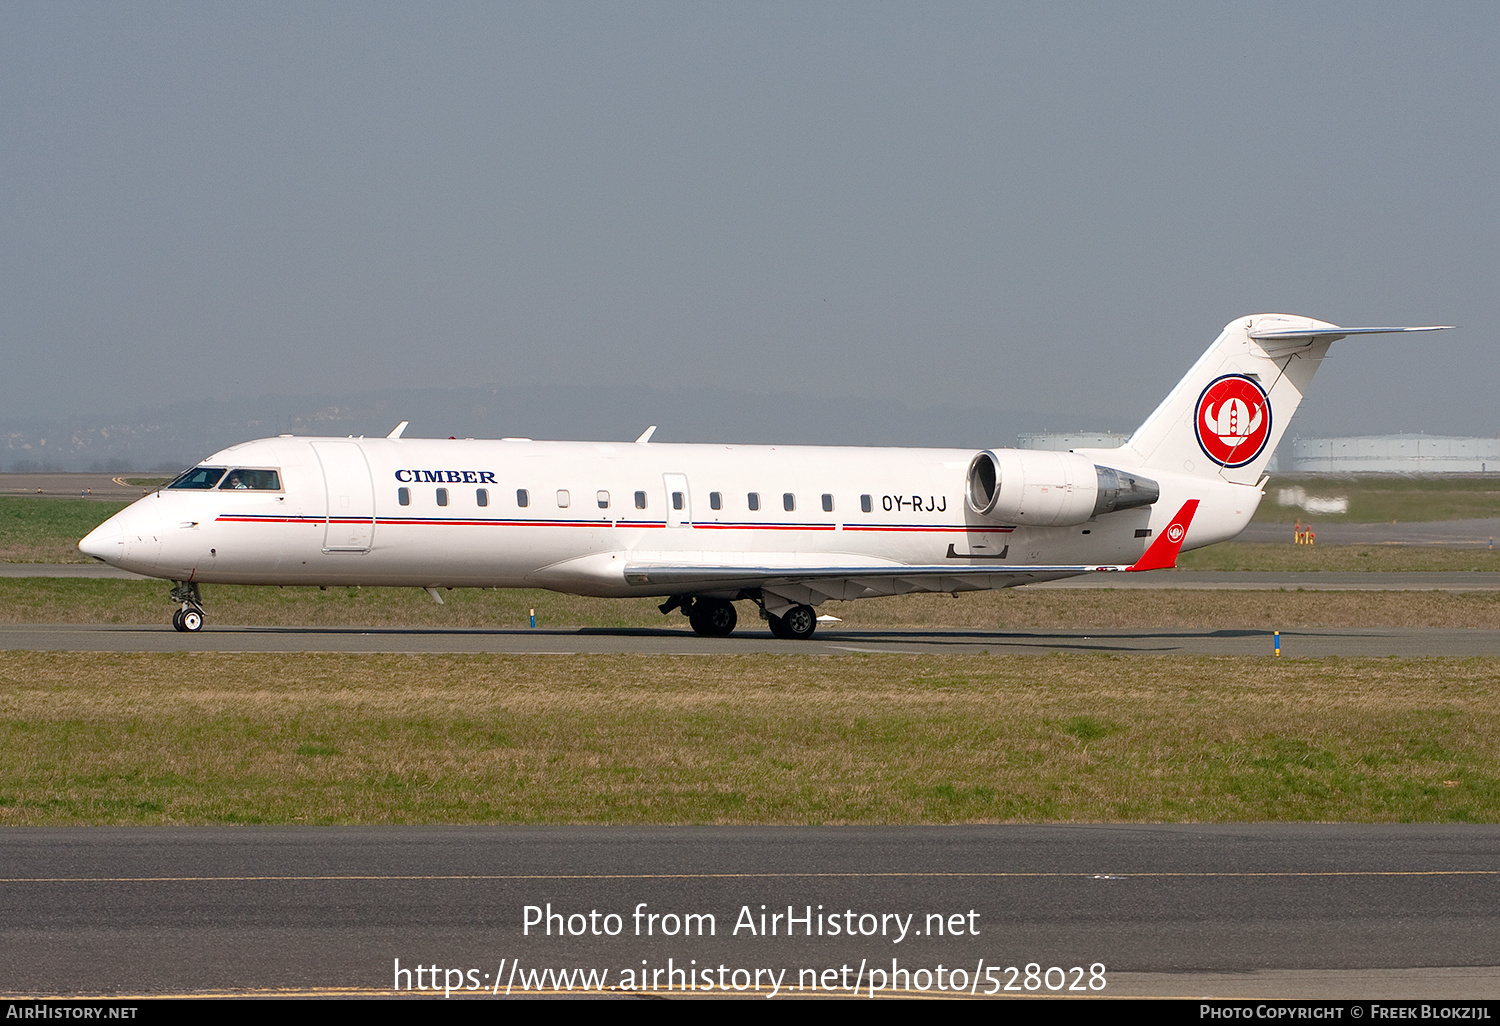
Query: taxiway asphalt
pixel 1308 643
pixel 1260 911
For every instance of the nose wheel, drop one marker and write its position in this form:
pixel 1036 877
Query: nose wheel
pixel 190 617
pixel 189 620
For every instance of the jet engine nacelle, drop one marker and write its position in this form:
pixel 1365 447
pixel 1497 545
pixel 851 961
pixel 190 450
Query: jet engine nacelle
pixel 1051 489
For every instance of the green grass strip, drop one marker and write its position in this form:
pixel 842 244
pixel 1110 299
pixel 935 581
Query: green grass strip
pixel 222 739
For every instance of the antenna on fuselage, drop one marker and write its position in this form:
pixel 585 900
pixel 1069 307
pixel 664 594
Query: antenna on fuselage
pixel 396 431
pixel 646 435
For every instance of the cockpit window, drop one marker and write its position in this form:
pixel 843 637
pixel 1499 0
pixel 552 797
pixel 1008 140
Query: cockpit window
pixel 199 477
pixel 256 480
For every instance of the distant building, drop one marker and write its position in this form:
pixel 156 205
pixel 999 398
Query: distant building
pixel 1062 441
pixel 1396 454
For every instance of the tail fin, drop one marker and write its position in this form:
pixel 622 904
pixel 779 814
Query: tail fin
pixel 1227 416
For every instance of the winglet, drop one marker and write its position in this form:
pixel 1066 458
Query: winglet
pixel 1162 555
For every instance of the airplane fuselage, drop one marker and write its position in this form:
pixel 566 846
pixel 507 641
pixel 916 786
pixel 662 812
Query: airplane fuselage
pixel 571 516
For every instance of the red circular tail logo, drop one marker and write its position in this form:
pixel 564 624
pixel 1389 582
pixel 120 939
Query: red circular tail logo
pixel 1233 420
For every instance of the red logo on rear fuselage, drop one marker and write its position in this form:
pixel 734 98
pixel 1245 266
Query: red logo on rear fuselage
pixel 1233 420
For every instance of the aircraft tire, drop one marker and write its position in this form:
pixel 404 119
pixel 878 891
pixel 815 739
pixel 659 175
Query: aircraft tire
pixel 797 625
pixel 177 620
pixel 192 620
pixel 713 618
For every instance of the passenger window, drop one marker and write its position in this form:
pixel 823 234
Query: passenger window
pixel 199 477
pixel 403 496
pixel 827 503
pixel 754 500
pixel 564 500
pixel 442 496
pixel 866 504
pixel 715 500
pixel 603 498
pixel 788 501
pixel 255 480
pixel 640 500
pixel 482 497
pixel 523 498
pixel 678 500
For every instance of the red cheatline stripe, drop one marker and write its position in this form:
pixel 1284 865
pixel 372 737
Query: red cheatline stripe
pixel 234 518
pixel 764 527
pixel 920 528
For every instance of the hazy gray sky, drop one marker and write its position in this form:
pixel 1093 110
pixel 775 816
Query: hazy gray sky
pixel 1004 204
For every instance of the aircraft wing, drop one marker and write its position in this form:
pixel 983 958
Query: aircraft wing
pixel 786 583
pixel 963 577
pixel 782 587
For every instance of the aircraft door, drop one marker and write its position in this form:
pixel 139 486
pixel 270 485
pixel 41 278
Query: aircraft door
pixel 350 523
pixel 679 501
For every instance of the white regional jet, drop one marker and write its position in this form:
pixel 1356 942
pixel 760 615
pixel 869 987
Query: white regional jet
pixel 704 526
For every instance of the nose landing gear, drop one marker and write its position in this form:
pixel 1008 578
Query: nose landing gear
pixel 188 620
pixel 190 617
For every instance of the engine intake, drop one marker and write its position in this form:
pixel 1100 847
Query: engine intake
pixel 1051 489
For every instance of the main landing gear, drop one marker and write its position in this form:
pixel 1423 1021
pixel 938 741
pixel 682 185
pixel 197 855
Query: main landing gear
pixel 190 617
pixel 797 625
pixel 710 617
pixel 716 617
pixel 713 618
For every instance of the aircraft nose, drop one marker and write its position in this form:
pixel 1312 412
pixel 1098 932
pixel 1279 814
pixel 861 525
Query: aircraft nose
pixel 125 538
pixel 130 540
pixel 106 542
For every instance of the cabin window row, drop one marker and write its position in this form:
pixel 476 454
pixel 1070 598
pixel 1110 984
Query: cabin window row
pixel 601 498
pixel 261 479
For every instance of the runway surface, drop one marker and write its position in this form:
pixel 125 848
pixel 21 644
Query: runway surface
pixel 1307 643
pixel 1248 910
pixel 76 486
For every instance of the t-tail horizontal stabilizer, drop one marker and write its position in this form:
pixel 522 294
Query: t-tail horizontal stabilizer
pixel 1162 555
pixel 1331 334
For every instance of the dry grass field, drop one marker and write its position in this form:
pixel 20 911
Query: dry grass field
pixel 1347 558
pixel 210 738
pixel 41 530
